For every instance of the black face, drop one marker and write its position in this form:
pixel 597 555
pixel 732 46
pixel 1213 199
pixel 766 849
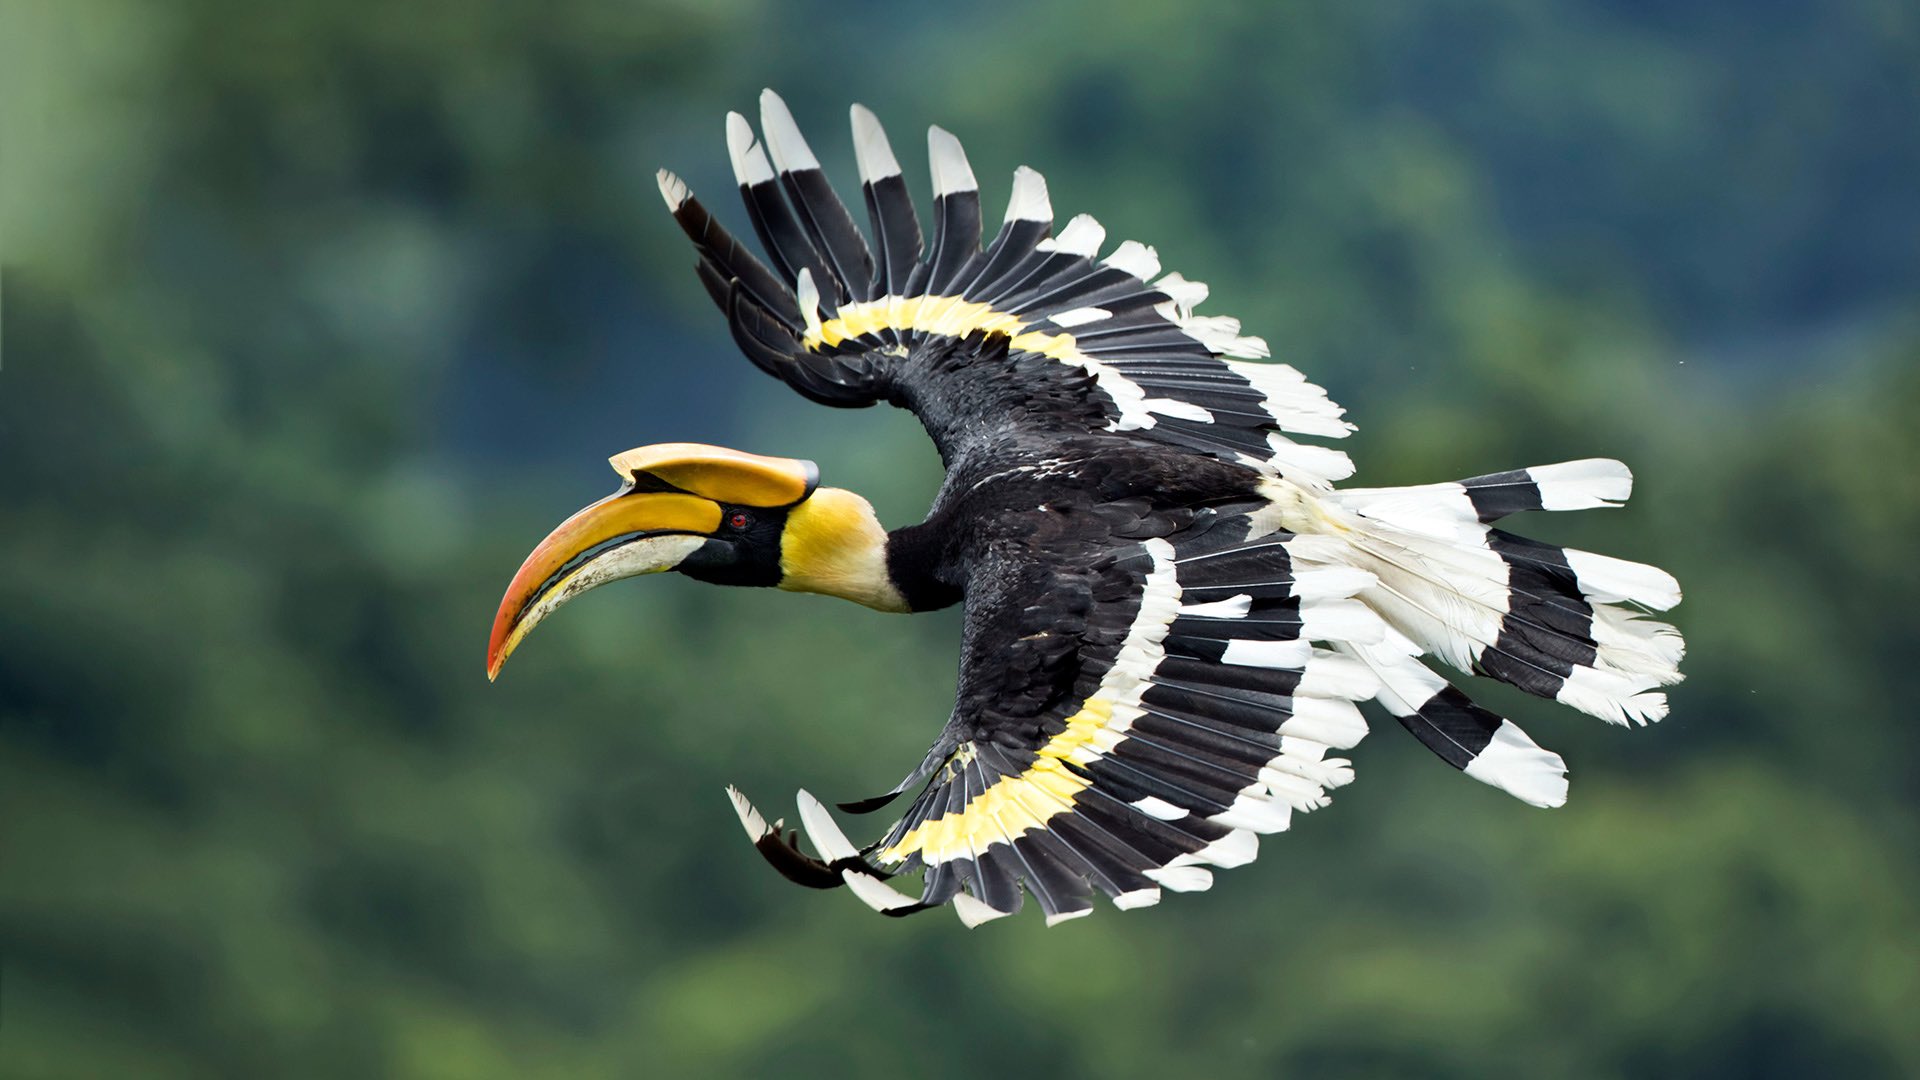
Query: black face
pixel 745 551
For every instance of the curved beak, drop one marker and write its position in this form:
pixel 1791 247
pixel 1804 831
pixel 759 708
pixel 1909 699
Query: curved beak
pixel 623 535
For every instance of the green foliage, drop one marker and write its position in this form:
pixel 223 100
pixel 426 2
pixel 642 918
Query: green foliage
pixel 318 314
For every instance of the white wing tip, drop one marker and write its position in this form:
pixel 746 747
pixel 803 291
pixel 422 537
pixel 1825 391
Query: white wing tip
pixel 870 147
pixel 1237 848
pixel 948 161
pixel 828 840
pixel 749 158
pixel 1029 201
pixel 1186 295
pixel 1181 878
pixel 875 893
pixel 750 819
pixel 672 189
pixel 973 912
pixel 784 141
pixel 1082 236
pixel 1135 258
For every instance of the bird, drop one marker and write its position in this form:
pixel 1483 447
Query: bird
pixel 1173 609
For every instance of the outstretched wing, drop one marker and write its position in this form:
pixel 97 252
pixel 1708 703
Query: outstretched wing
pixel 1035 329
pixel 1125 723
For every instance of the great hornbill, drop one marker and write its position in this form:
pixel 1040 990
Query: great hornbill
pixel 1171 612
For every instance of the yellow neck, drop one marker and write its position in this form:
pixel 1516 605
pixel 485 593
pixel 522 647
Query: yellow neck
pixel 834 545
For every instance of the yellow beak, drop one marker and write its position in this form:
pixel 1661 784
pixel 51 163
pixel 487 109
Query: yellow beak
pixel 620 536
pixel 641 529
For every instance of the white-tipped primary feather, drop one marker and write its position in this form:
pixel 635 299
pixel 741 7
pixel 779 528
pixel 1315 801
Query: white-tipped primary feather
pixel 828 840
pixel 870 146
pixel 1221 335
pixel 1029 200
pixel 1237 848
pixel 1287 769
pixel 973 912
pixel 1181 878
pixel 833 846
pixel 1082 236
pixel 749 159
pixel 1252 811
pixel 1160 809
pixel 1135 258
pixel 948 161
pixel 875 893
pixel 784 141
pixel 1293 793
pixel 1183 294
pixel 1295 404
pixel 672 189
pixel 750 819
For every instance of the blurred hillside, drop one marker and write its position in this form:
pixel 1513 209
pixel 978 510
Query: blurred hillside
pixel 319 314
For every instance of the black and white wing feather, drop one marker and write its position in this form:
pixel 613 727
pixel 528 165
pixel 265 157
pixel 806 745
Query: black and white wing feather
pixel 1145 693
pixel 1092 343
pixel 1121 729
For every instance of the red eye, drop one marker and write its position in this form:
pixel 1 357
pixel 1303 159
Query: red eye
pixel 739 520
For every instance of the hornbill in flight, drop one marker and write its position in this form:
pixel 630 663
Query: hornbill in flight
pixel 1172 614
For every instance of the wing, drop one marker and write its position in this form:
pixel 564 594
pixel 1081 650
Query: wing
pixel 1126 722
pixel 1035 329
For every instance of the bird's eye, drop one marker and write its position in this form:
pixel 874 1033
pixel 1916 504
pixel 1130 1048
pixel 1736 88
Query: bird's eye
pixel 739 519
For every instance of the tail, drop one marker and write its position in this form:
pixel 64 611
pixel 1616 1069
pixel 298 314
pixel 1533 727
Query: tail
pixel 1561 624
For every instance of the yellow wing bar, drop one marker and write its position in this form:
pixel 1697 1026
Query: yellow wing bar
pixel 1011 805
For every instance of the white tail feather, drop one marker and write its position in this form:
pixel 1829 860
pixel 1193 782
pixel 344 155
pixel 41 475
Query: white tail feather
pixel 1455 589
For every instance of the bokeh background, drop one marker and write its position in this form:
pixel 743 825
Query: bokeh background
pixel 318 314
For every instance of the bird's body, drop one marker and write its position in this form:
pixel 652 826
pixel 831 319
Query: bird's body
pixel 1039 497
pixel 1172 612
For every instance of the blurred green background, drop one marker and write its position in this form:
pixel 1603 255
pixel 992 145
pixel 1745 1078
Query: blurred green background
pixel 318 314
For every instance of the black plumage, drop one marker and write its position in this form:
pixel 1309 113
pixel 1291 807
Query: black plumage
pixel 1170 613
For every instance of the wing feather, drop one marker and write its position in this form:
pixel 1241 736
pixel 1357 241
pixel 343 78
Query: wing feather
pixel 1099 344
pixel 1114 759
